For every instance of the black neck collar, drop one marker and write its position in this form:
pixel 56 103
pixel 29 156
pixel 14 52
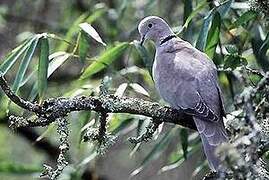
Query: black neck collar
pixel 167 38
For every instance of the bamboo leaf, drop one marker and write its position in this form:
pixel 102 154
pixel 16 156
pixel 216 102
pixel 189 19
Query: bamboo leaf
pixel 213 36
pixel 43 67
pixel 56 60
pixel 224 7
pixel 184 141
pixel 201 41
pixel 139 89
pixel 147 59
pixel 24 65
pixel 122 125
pixel 75 26
pixel 188 31
pixel 121 89
pixel 202 38
pixel 83 47
pixel 14 55
pixel 259 50
pixel 264 47
pixel 88 29
pixel 180 158
pixel 199 168
pixel 244 18
pixel 197 10
pixel 156 151
pixel 105 59
pixel 14 168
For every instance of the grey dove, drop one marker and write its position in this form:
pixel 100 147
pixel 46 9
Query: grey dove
pixel 187 79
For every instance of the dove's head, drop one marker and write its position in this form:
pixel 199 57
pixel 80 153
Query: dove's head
pixel 154 28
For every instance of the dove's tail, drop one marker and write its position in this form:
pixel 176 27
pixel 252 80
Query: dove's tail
pixel 212 135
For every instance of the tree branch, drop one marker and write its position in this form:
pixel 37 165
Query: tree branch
pixel 55 108
pixel 16 99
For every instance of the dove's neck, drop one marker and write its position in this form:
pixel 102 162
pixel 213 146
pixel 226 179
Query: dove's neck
pixel 164 36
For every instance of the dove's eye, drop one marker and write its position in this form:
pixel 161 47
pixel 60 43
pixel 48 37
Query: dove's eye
pixel 150 25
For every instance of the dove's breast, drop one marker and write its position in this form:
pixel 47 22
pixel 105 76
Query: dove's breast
pixel 172 77
pixel 180 72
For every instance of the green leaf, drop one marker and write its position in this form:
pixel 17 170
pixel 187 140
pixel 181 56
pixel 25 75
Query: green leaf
pixel 14 55
pixel 234 61
pixel 199 168
pixel 88 29
pixel 24 65
pixel 56 60
pixel 123 7
pixel 75 26
pixel 224 7
pixel 187 32
pixel 188 9
pixel 201 41
pixel 180 159
pixel 213 36
pixel 43 67
pixel 49 130
pixel 83 47
pixel 147 59
pixel 202 38
pixel 231 49
pixel 264 47
pixel 139 89
pixel 197 10
pixel 244 18
pixel 259 50
pixel 122 125
pixel 105 59
pixel 184 141
pixel 156 151
pixel 84 119
pixel 14 168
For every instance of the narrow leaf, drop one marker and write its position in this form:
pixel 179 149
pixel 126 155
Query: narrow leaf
pixel 83 47
pixel 224 7
pixel 56 60
pixel 202 38
pixel 14 168
pixel 197 10
pixel 180 158
pixel 184 141
pixel 187 32
pixel 43 67
pixel 14 55
pixel 264 47
pixel 87 28
pixel 24 65
pixel 122 125
pixel 244 18
pixel 213 36
pixel 201 41
pixel 105 59
pixel 147 60
pixel 156 151
pixel 75 26
pixel 121 89
pixel 139 89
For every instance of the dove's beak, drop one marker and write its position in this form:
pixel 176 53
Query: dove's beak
pixel 142 40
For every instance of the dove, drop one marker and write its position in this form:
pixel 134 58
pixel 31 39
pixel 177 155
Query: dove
pixel 186 78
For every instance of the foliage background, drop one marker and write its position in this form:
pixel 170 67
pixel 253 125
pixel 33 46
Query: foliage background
pixel 232 35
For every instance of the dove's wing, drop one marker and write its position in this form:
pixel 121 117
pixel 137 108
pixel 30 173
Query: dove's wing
pixel 186 78
pixel 192 77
